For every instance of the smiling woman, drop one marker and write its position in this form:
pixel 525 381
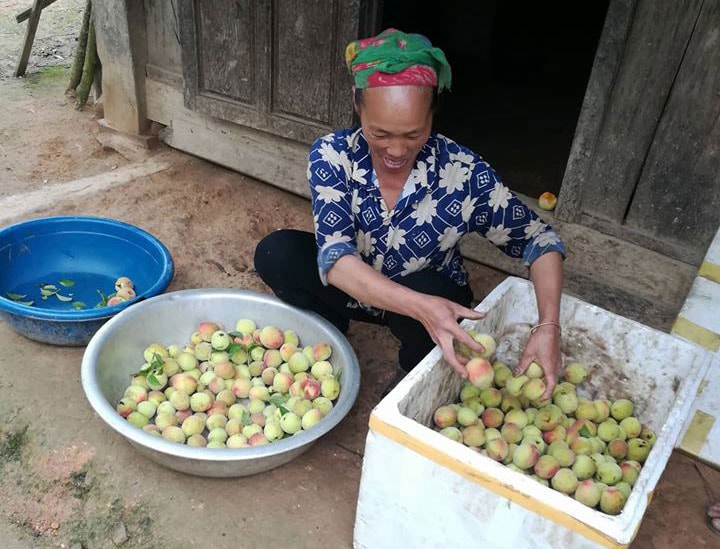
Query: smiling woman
pixel 391 200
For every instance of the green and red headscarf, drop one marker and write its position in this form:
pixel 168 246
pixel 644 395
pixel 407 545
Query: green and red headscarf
pixel 395 58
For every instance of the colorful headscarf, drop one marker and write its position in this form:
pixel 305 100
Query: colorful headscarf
pixel 394 58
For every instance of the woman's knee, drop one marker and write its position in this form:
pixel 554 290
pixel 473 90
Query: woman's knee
pixel 281 248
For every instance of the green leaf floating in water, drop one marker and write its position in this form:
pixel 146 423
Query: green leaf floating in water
pixel 15 297
pixel 78 305
pixel 25 302
pixel 67 282
pixel 49 287
pixel 63 298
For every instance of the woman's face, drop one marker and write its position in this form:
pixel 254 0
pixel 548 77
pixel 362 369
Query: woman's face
pixel 396 122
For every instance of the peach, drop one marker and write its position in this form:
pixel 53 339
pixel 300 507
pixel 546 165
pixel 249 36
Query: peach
pixel 137 419
pixel 202 351
pixel 546 467
pixel 511 433
pixel 609 473
pixel 547 201
pixel 515 385
pixel 290 423
pixel 259 393
pixel 584 467
pixel 588 493
pixel 638 450
pixel 268 375
pixel 321 369
pixel 206 330
pixel 566 400
pixel 147 408
pixel 184 383
pixel 558 433
pixel 226 396
pixel 510 402
pixel 123 282
pixel 236 441
pixel 250 430
pixel 608 430
pixel 291 337
pixel 548 417
pixel 245 326
pixel 602 410
pixel 575 373
pixel 153 430
pixel 474 435
pixel 173 434
pixel 564 481
pixel 167 407
pixel 273 431
pixel 631 426
pixel 170 367
pixel 311 389
pixel 648 435
pixel 534 389
pixel 126 294
pixel 487 341
pixel 518 417
pixel 453 433
pixel 241 387
pixel 281 382
pixel 497 449
pixel 467 416
pixel 323 404
pixel 200 402
pixel 164 420
pixel 621 409
pixel 535 440
pixel 287 350
pixel 526 455
pixel 299 362
pixel 193 425
pixel 490 397
pixel 630 471
pixel 535 371
pixel 586 409
pixel 330 388
pixel 321 351
pixel 126 406
pixel 311 418
pixel 612 501
pixel 271 337
pixel 492 417
pixel 502 373
pixel 617 448
pixel 581 445
pixel 136 393
pixel 445 416
pixel 565 456
pixel 480 372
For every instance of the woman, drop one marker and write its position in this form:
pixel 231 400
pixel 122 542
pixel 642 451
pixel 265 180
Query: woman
pixel 391 200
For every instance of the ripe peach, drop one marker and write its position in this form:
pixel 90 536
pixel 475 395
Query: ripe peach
pixel 123 282
pixel 547 201
pixel 126 406
pixel 480 372
pixel 206 329
pixel 558 433
pixel 497 449
pixel 602 410
pixel 534 389
pixel 466 416
pixel 271 337
pixel 630 471
pixel 588 493
pixel 617 448
pixel 200 402
pixel 492 417
pixel 526 455
pixel 444 416
pixel 518 417
pixel 546 467
pixel 136 393
pixel 612 501
pixel 511 433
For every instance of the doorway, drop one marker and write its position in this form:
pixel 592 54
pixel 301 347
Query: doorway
pixel 520 70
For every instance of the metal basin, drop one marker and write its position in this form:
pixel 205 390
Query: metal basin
pixel 115 352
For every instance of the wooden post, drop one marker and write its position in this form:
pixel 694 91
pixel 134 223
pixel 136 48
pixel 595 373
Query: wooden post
pixel 32 24
pixel 25 14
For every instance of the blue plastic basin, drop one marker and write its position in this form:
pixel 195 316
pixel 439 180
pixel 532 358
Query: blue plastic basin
pixel 92 252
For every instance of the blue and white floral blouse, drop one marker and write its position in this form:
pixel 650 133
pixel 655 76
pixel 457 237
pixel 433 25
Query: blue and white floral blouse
pixel 451 191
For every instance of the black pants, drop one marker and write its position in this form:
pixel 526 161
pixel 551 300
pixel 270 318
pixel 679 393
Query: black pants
pixel 286 260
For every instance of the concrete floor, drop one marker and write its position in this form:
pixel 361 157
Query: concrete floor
pixel 66 479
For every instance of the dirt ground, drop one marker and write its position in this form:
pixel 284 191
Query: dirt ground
pixel 66 480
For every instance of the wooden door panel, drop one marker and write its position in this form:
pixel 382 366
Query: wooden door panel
pixel 678 194
pixel 304 59
pixel 653 53
pixel 227 27
pixel 273 65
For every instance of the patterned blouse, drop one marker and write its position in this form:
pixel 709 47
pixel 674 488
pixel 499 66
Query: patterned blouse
pixel 451 191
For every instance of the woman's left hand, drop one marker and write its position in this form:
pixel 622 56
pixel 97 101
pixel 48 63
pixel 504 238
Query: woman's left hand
pixel 543 347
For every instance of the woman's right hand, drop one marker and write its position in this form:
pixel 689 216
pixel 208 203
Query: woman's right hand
pixel 440 318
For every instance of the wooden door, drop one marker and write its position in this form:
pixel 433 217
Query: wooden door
pixel 273 65
pixel 645 164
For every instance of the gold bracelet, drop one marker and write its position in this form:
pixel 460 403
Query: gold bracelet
pixel 549 323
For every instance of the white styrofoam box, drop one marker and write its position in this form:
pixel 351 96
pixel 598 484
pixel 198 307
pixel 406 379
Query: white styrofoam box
pixel 701 309
pixel 701 433
pixel 420 489
pixel 713 253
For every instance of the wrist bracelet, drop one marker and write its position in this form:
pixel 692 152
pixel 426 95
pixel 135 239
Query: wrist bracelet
pixel 549 323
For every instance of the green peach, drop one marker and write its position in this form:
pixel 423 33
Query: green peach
pixel 564 481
